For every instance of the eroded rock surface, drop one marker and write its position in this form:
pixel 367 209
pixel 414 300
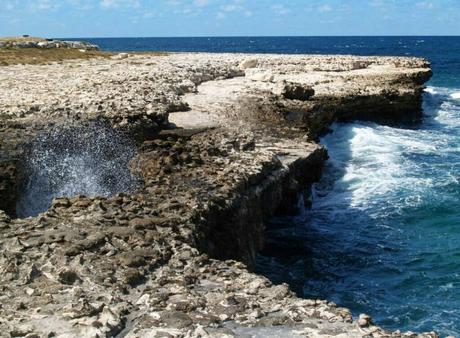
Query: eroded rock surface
pixel 224 142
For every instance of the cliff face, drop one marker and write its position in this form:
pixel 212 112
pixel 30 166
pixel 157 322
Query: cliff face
pixel 223 142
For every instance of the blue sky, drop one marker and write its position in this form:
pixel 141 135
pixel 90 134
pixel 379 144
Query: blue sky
pixel 114 18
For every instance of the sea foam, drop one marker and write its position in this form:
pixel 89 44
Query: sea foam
pixel 90 160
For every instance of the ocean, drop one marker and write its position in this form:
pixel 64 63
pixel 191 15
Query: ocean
pixel 383 234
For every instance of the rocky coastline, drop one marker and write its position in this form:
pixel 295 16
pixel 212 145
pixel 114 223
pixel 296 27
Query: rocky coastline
pixel 223 142
pixel 47 44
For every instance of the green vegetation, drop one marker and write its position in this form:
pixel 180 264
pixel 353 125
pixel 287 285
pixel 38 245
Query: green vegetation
pixel 20 39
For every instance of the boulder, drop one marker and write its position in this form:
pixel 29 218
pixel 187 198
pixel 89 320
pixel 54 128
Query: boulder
pixel 249 63
pixel 364 320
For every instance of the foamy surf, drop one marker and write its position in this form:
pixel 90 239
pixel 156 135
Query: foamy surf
pixel 91 160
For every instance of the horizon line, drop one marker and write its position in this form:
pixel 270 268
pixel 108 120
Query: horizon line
pixel 250 36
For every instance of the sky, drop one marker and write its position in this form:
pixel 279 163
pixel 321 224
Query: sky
pixel 151 18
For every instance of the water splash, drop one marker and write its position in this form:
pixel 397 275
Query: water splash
pixel 91 160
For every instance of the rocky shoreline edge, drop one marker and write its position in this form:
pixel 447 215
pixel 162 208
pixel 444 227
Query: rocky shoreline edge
pixel 27 42
pixel 223 142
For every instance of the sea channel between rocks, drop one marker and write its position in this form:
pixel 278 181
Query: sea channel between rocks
pixel 216 144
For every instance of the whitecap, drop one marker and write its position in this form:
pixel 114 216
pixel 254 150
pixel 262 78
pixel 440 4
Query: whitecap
pixel 377 166
pixel 447 286
pixel 455 95
pixel 431 90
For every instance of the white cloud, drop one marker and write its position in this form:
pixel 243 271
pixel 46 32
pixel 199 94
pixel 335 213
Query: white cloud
pixel 230 8
pixel 324 8
pixel 9 6
pixel 149 14
pixel 280 9
pixel 233 7
pixel 377 3
pixel 201 3
pixel 43 5
pixel 425 4
pixel 83 5
pixel 108 4
pixel 345 8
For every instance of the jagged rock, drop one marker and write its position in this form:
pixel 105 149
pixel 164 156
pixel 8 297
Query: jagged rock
pixel 68 277
pixel 294 91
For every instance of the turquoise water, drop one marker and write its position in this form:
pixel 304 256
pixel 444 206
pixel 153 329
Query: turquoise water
pixel 383 235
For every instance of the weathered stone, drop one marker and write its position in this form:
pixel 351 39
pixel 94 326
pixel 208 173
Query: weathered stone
pixel 249 63
pixel 175 319
pixel 68 277
pixel 295 91
pixel 258 75
pixel 364 320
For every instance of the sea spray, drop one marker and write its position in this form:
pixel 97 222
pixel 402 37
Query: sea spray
pixel 91 160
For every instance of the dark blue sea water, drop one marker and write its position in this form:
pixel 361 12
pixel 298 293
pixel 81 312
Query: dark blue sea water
pixel 383 235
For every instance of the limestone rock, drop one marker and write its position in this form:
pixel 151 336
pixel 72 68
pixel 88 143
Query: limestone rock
pixel 294 91
pixel 259 75
pixel 249 63
pixel 364 320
